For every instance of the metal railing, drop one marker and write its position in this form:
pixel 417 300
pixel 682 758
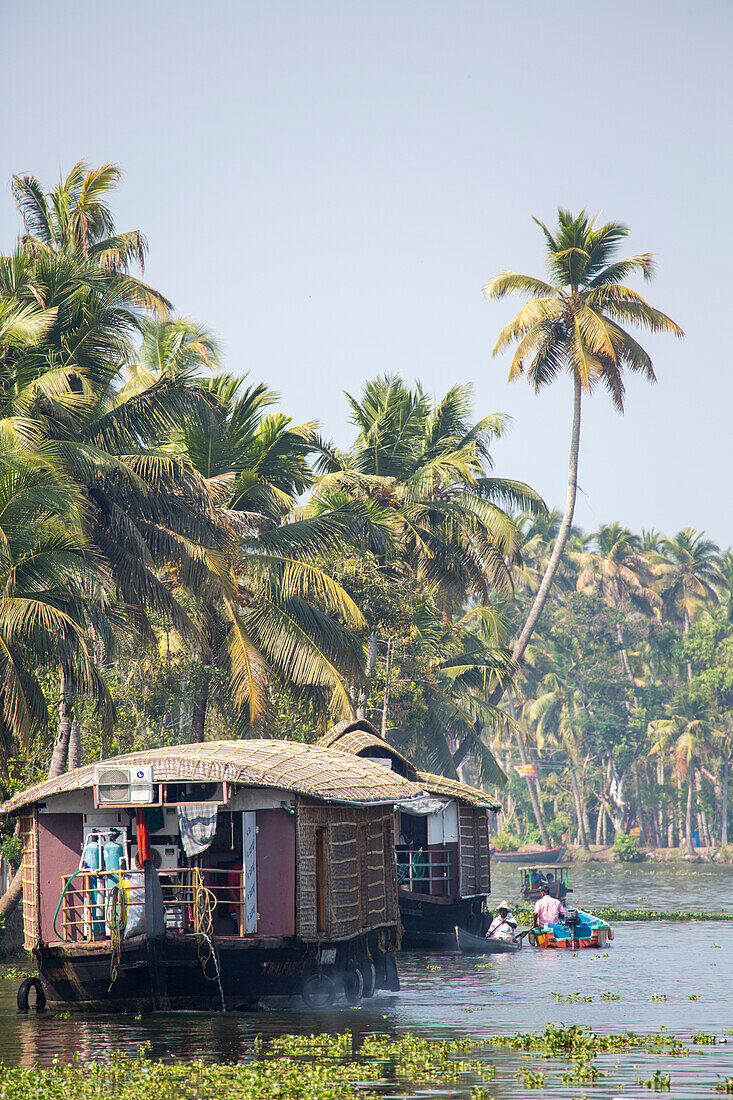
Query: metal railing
pixel 94 904
pixel 426 870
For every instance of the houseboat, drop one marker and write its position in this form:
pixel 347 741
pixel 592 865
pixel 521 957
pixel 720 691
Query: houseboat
pixel 209 876
pixel 442 843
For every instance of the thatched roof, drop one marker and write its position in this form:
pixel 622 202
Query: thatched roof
pixel 322 773
pixel 438 784
pixel 361 738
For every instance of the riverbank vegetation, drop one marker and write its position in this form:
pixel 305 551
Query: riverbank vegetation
pixel 181 560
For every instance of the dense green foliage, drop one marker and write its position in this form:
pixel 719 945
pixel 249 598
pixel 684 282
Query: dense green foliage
pixel 180 561
pixel 624 699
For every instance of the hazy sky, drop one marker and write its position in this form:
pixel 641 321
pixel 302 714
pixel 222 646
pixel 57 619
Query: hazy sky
pixel 328 185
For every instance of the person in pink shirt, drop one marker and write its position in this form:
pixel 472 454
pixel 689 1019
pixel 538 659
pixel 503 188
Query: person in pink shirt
pixel 547 910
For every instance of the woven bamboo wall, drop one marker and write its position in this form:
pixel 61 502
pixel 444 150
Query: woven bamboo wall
pixel 361 878
pixel 473 847
pixel 31 910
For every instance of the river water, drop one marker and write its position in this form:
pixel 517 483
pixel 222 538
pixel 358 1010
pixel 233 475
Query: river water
pixel 673 976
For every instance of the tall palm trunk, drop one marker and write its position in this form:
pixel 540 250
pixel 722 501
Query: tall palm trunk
pixel 532 784
pixel 582 836
pixel 200 703
pixel 543 591
pixel 724 805
pixel 387 685
pixel 688 812
pixel 75 745
pixel 60 752
pixel 371 664
pixel 10 899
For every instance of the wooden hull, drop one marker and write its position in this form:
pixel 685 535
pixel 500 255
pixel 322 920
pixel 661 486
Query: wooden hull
pixel 541 858
pixel 469 944
pixel 177 971
pixel 430 923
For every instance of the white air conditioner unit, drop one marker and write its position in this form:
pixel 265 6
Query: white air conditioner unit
pixel 124 785
pixel 165 857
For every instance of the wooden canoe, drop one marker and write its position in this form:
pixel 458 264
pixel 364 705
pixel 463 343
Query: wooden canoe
pixel 539 858
pixel 479 945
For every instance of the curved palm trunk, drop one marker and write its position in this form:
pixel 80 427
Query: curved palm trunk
pixel 543 591
pixel 688 810
pixel 582 835
pixel 562 535
pixel 61 744
pixel 532 784
pixel 371 664
pixel 724 805
pixel 75 745
pixel 10 899
pixel 200 703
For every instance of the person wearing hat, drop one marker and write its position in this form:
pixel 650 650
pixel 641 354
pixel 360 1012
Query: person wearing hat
pixel 503 926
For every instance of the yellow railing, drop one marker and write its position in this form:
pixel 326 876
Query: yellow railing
pixel 91 906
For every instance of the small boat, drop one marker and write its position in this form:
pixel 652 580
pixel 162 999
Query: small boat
pixel 531 878
pixel 541 856
pixel 577 930
pixel 469 944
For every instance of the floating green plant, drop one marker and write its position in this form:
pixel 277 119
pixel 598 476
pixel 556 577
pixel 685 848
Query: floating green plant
pixel 532 1079
pixel 660 1082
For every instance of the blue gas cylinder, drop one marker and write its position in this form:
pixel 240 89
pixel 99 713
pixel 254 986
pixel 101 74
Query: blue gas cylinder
pixel 113 853
pixel 91 856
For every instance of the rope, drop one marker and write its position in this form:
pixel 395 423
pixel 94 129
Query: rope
pixel 116 919
pixel 204 903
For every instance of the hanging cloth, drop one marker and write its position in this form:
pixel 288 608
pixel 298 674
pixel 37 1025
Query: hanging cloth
pixel 197 822
pixel 143 838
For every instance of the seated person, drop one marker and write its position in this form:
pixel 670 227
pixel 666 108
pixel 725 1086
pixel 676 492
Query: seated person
pixel 547 910
pixel 503 926
pixel 553 886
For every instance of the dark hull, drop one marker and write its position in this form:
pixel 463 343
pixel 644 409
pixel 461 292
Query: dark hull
pixel 479 945
pixel 168 972
pixel 430 923
pixel 540 858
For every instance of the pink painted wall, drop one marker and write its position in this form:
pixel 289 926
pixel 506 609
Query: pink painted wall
pixel 59 843
pixel 275 873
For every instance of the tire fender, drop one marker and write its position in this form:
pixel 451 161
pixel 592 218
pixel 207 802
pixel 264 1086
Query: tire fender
pixel 368 973
pixel 24 995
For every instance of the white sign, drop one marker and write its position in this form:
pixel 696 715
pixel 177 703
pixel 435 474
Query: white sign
pixel 249 865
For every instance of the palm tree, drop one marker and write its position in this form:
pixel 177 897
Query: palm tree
pixel 619 572
pixel 74 219
pixel 573 323
pixel 175 347
pixel 689 575
pixel 280 617
pixel 51 593
pixel 557 715
pixel 688 732
pixel 427 468
pixel 142 507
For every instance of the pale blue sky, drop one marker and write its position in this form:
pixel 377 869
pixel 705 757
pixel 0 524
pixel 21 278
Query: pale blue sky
pixel 328 185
